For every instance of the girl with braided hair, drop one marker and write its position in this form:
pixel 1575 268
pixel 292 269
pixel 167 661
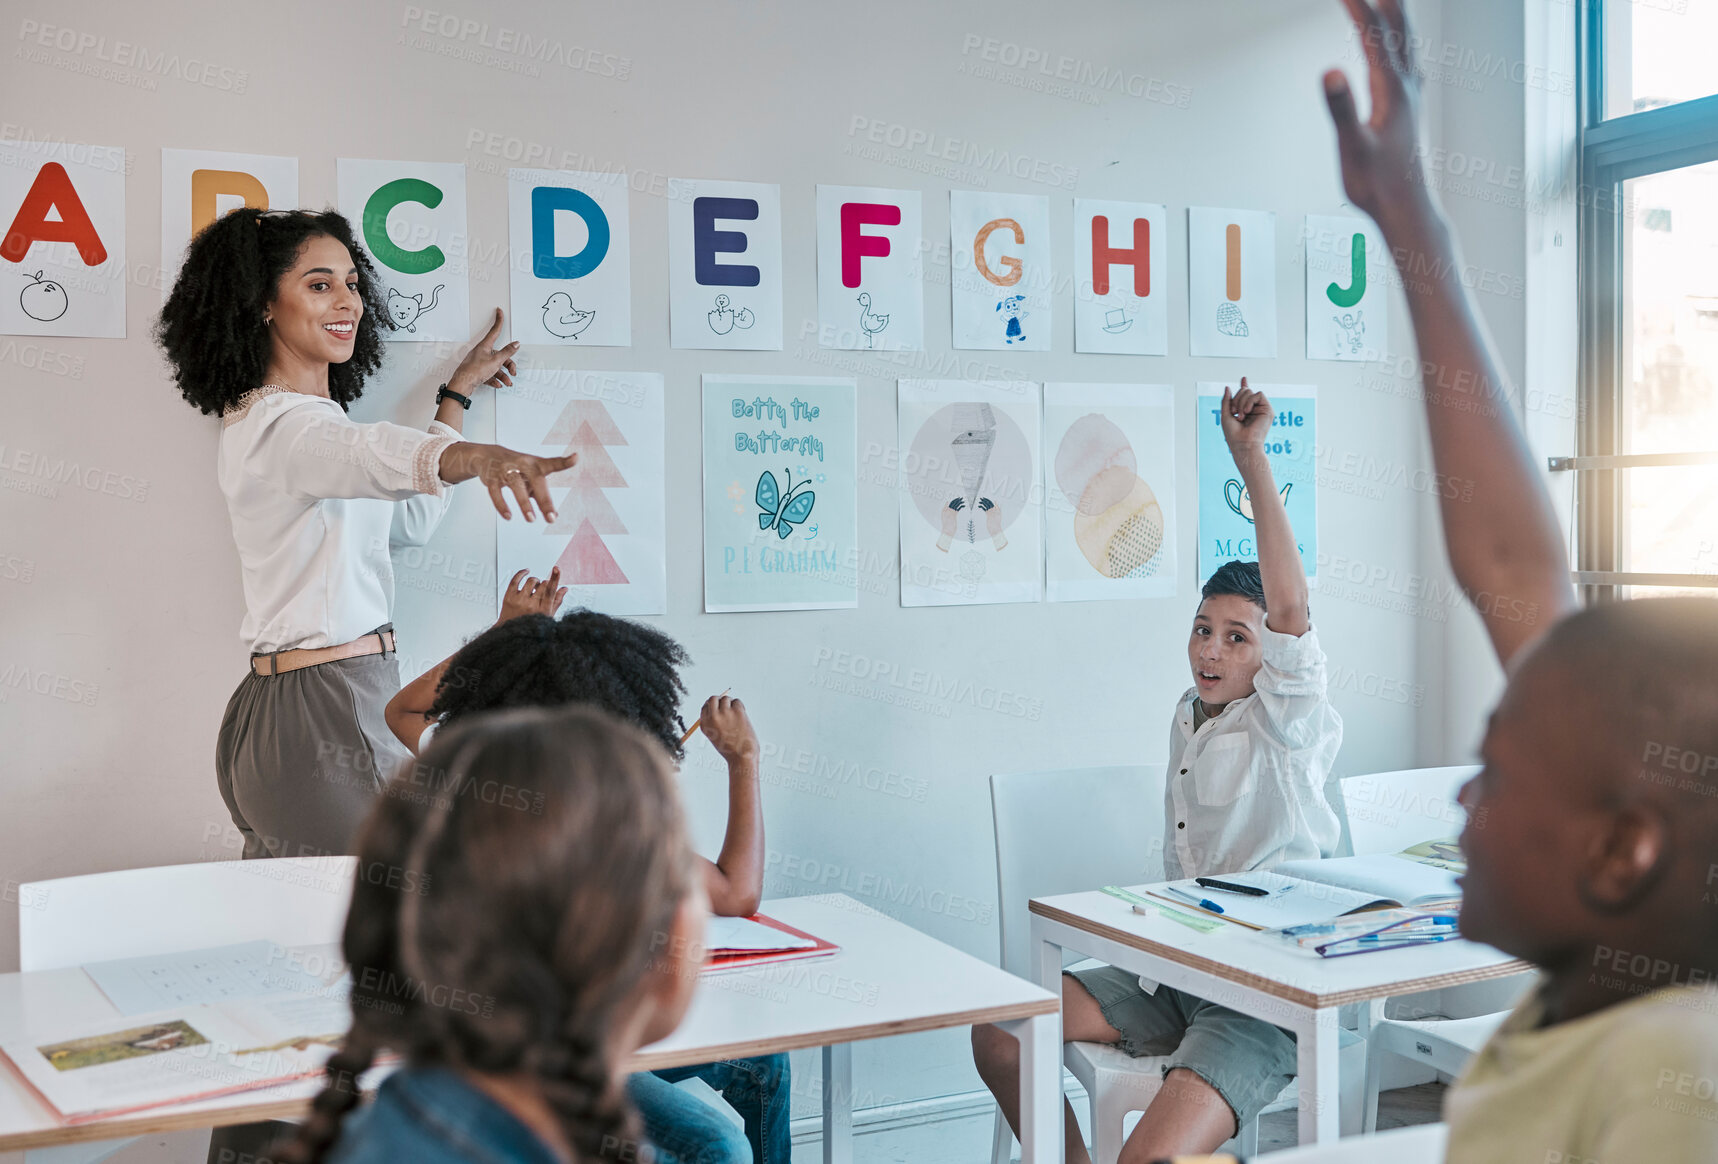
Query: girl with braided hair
pixel 530 658
pixel 520 947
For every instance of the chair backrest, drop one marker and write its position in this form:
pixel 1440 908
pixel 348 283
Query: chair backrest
pixel 1070 830
pixel 1420 1144
pixel 133 913
pixel 1388 811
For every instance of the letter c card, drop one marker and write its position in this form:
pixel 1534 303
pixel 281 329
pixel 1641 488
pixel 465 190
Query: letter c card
pixel 410 216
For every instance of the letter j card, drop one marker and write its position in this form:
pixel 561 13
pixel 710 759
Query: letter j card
pixel 781 516
pixel 1347 301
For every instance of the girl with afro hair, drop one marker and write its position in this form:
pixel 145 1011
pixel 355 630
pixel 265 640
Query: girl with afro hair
pixel 530 658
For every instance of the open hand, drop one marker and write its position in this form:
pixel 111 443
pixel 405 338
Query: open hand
pixel 485 363
pixel 527 595
pixel 1381 167
pixel 1246 415
pixel 502 468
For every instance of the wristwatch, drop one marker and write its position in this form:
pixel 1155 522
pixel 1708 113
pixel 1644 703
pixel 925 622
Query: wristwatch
pixel 449 393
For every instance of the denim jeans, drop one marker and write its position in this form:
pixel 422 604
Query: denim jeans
pixel 686 1130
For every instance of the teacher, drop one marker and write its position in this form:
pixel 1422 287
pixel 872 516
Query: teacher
pixel 274 325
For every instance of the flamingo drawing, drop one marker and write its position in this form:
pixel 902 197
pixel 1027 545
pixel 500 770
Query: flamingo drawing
pixel 870 323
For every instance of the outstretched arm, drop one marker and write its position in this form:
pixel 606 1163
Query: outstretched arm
pixel 1505 544
pixel 1246 417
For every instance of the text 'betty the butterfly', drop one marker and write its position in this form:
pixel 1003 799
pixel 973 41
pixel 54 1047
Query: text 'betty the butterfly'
pixel 783 510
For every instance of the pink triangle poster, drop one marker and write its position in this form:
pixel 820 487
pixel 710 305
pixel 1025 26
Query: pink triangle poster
pixel 611 507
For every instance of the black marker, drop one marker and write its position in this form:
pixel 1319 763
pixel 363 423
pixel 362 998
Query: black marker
pixel 1232 887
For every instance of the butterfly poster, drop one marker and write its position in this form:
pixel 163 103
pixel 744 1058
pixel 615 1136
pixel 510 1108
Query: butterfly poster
pixel 781 515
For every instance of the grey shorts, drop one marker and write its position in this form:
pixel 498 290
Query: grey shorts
pixel 1247 1060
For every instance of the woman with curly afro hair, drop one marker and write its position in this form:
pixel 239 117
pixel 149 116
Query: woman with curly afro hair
pixel 530 658
pixel 274 324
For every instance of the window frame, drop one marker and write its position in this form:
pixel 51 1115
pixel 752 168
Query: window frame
pixel 1611 152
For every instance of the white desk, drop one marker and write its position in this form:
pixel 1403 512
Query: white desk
pixel 1235 967
pixel 887 979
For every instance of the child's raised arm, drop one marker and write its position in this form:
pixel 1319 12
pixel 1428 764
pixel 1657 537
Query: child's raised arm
pixel 1246 417
pixel 735 880
pixel 407 713
pixel 1505 544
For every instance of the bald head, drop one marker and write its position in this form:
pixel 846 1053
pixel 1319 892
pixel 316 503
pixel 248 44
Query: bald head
pixel 1633 690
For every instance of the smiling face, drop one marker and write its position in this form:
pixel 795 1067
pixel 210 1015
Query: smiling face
pixel 316 306
pixel 1225 648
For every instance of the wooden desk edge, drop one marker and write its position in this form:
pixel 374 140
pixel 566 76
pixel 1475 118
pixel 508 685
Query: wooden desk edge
pixel 147 1124
pixel 1270 986
pixel 656 1060
pixel 288 1109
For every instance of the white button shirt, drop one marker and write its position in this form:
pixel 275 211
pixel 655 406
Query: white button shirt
pixel 1247 790
pixel 317 500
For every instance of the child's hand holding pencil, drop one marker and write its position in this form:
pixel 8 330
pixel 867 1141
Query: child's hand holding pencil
pixel 725 724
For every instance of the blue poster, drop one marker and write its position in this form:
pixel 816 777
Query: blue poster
pixel 1225 508
pixel 781 474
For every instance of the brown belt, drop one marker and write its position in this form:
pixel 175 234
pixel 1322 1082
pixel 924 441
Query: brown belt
pixel 278 662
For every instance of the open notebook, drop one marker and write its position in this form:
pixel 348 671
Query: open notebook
pixel 745 941
pixel 1310 891
pixel 138 1062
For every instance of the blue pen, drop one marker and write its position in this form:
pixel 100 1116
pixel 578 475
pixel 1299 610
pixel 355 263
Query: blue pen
pixel 1201 902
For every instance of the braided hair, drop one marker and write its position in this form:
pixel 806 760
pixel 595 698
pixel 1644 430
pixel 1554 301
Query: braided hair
pixel 500 924
pixel 536 660
pixel 211 326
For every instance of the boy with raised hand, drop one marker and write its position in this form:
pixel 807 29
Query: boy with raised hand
pixel 1593 827
pixel 1250 751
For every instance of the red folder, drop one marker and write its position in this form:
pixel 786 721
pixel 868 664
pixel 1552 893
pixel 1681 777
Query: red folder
pixel 728 960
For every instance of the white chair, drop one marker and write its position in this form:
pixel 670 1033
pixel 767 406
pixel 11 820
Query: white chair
pixel 1068 831
pixel 132 913
pixel 1388 812
pixel 1421 1144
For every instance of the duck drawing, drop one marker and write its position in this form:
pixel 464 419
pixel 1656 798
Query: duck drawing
pixel 870 323
pixel 725 319
pixel 562 319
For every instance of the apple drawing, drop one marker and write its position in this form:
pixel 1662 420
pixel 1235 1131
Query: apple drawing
pixel 44 299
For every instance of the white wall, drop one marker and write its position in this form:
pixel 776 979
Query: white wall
pixel 142 598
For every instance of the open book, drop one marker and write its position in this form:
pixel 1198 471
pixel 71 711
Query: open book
pixel 129 1064
pixel 1311 891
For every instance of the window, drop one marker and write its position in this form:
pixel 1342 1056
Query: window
pixel 1658 52
pixel 1647 461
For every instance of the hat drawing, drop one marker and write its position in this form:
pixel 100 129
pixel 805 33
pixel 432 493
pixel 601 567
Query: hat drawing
pixel 1116 320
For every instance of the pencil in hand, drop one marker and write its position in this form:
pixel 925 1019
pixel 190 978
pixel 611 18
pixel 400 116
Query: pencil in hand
pixel 698 721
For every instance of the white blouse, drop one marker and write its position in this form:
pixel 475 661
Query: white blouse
pixel 317 500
